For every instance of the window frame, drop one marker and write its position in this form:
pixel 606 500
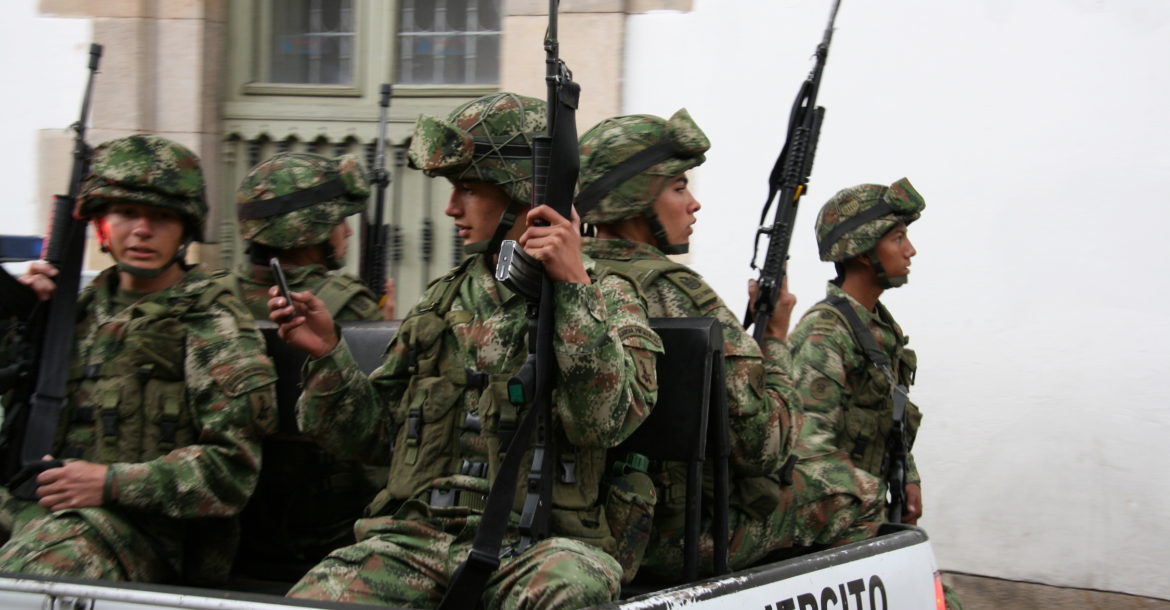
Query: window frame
pixel 261 54
pixel 433 88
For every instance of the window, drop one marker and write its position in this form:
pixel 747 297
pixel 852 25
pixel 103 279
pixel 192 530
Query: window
pixel 311 43
pixel 449 42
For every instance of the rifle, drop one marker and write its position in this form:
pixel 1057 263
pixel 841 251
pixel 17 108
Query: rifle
pixel 789 178
pixel 555 165
pixel 30 425
pixel 373 266
pixel 898 452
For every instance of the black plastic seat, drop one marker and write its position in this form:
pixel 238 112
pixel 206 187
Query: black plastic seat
pixel 306 499
pixel 689 424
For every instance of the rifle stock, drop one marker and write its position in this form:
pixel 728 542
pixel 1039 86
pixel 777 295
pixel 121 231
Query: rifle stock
pixel 788 181
pixel 30 427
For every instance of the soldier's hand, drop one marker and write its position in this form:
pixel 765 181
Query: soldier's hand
pixel 557 245
pixel 913 509
pixel 305 323
pixel 76 484
pixel 39 277
pixel 782 313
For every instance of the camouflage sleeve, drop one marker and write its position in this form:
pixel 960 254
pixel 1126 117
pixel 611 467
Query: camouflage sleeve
pixel 606 356
pixel 759 400
pixel 346 411
pixel 231 394
pixel 912 475
pixel 821 347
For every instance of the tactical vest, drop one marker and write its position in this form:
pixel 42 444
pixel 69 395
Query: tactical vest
pixel 128 400
pixel 868 413
pixel 433 425
pixel 340 291
pixel 128 403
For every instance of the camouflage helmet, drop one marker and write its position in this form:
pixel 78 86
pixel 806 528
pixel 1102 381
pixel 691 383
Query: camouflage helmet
pixel 855 219
pixel 149 170
pixel 627 160
pixel 488 139
pixel 295 199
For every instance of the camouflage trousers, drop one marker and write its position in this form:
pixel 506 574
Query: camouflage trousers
pixel 409 562
pixel 828 504
pixel 83 543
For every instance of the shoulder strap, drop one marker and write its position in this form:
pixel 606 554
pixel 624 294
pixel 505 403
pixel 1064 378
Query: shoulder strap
pixel 442 292
pixel 861 333
pixel 337 291
pixel 643 273
pixel 220 281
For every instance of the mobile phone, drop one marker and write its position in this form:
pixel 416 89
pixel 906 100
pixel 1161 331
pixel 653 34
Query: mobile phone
pixel 278 273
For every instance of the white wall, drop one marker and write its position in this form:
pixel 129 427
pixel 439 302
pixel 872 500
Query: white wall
pixel 1037 132
pixel 43 81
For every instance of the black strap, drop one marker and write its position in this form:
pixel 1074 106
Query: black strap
pixel 860 332
pixel 470 578
pixel 263 208
pixel 636 164
pixel 485 148
pixel 874 213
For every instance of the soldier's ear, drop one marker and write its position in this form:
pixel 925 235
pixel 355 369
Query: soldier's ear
pixel 860 263
pixel 100 230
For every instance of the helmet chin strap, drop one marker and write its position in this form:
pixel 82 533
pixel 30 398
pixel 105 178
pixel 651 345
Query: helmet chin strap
pixel 505 224
pixel 331 261
pixel 663 242
pixel 884 280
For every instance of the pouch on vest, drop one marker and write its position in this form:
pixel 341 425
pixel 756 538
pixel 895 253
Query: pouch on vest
pixel 424 444
pixel 629 509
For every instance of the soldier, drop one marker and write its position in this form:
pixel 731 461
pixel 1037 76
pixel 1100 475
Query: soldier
pixel 442 398
pixel 847 398
pixel 294 207
pixel 633 184
pixel 169 396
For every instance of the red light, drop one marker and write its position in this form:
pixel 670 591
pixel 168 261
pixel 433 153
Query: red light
pixel 940 598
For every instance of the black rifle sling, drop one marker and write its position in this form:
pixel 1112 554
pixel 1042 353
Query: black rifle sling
pixel 898 393
pixel 470 578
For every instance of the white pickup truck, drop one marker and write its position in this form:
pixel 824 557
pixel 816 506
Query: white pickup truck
pixel 897 569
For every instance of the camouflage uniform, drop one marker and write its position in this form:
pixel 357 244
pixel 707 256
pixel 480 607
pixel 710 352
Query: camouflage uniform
pixel 443 405
pixel 763 409
pixel 171 389
pixel 294 200
pixel 307 499
pixel 846 399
